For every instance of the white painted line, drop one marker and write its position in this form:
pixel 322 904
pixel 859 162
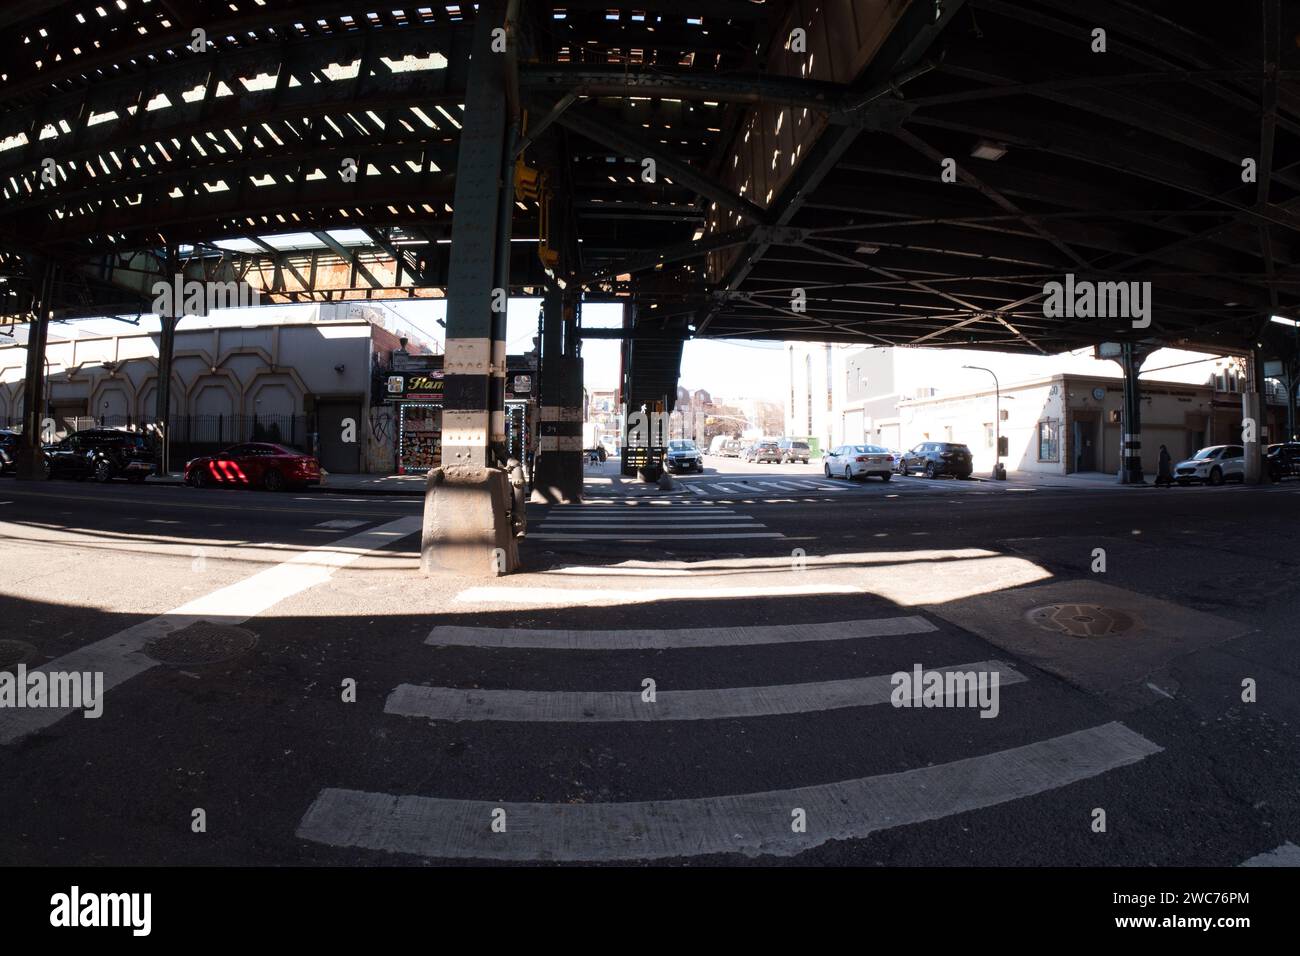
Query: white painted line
pixel 649 537
pixel 783 485
pixel 1288 854
pixel 488 594
pixel 635 526
pixel 754 823
pixel 120 656
pixel 527 706
pixel 618 520
pixel 452 635
pixel 339 523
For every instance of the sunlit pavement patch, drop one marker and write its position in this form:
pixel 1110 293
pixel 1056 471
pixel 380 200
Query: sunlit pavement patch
pixel 753 824
pixel 1116 663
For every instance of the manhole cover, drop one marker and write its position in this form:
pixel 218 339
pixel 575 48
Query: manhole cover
pixel 13 653
pixel 201 643
pixel 1082 620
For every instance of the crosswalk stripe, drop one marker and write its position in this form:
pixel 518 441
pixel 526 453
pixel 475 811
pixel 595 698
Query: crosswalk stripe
pixel 644 526
pixel 490 594
pixel 455 635
pixel 625 519
pixel 750 823
pixel 650 537
pixel 580 707
pixel 1288 854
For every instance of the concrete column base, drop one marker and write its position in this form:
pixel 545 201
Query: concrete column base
pixel 557 478
pixel 467 523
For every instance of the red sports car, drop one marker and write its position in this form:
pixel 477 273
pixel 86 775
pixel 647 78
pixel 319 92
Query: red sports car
pixel 254 465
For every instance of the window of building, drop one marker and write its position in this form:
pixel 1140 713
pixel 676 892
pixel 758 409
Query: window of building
pixel 988 434
pixel 1049 443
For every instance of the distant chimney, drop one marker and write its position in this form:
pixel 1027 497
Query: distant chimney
pixel 402 342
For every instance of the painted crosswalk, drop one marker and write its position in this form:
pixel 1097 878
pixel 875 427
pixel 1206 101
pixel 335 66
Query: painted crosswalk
pixel 750 487
pixel 646 521
pixel 981 776
pixel 749 823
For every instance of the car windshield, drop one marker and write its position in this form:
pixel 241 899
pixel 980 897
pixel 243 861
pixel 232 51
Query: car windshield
pixel 1206 453
pixel 870 450
pixel 681 445
pixel 952 447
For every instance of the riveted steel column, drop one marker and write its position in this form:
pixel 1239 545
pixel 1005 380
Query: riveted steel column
pixel 30 462
pixel 1131 465
pixel 467 528
pixel 557 476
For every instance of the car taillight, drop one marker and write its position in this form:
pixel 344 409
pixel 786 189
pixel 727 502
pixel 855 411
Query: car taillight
pixel 861 458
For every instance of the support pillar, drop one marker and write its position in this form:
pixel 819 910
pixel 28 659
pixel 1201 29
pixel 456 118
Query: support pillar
pixel 1131 465
pixel 1254 425
pixel 30 463
pixel 557 476
pixel 166 353
pixel 468 499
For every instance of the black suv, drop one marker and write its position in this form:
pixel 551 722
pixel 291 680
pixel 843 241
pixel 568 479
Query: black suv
pixel 1282 461
pixel 102 454
pixel 9 440
pixel 935 458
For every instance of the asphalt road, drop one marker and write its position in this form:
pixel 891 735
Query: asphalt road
pixel 509 720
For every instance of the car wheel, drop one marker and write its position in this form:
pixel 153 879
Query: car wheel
pixel 1216 476
pixel 930 471
pixel 45 467
pixel 886 476
pixel 826 470
pixel 273 481
pixel 103 471
pixel 848 473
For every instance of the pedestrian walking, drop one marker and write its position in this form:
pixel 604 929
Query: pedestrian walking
pixel 1165 473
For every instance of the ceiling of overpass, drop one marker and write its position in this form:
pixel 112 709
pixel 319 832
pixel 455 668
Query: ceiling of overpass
pixel 899 172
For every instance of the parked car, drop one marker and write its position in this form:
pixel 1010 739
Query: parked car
pixel 1282 461
pixel 858 461
pixel 682 455
pixel 935 458
pixel 792 449
pixel 9 440
pixel 762 451
pixel 255 465
pixel 1213 465
pixel 102 454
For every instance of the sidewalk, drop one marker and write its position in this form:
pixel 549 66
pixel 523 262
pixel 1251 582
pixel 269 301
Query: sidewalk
pixel 1097 480
pixel 408 485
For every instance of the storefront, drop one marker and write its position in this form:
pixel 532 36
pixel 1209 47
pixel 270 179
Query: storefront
pixel 418 397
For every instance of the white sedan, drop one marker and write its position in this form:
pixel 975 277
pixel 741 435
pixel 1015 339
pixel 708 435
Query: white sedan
pixel 858 461
pixel 1213 465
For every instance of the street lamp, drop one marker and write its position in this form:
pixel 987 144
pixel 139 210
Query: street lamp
pixel 999 472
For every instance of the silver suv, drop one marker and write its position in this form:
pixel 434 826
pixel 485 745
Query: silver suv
pixel 792 449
